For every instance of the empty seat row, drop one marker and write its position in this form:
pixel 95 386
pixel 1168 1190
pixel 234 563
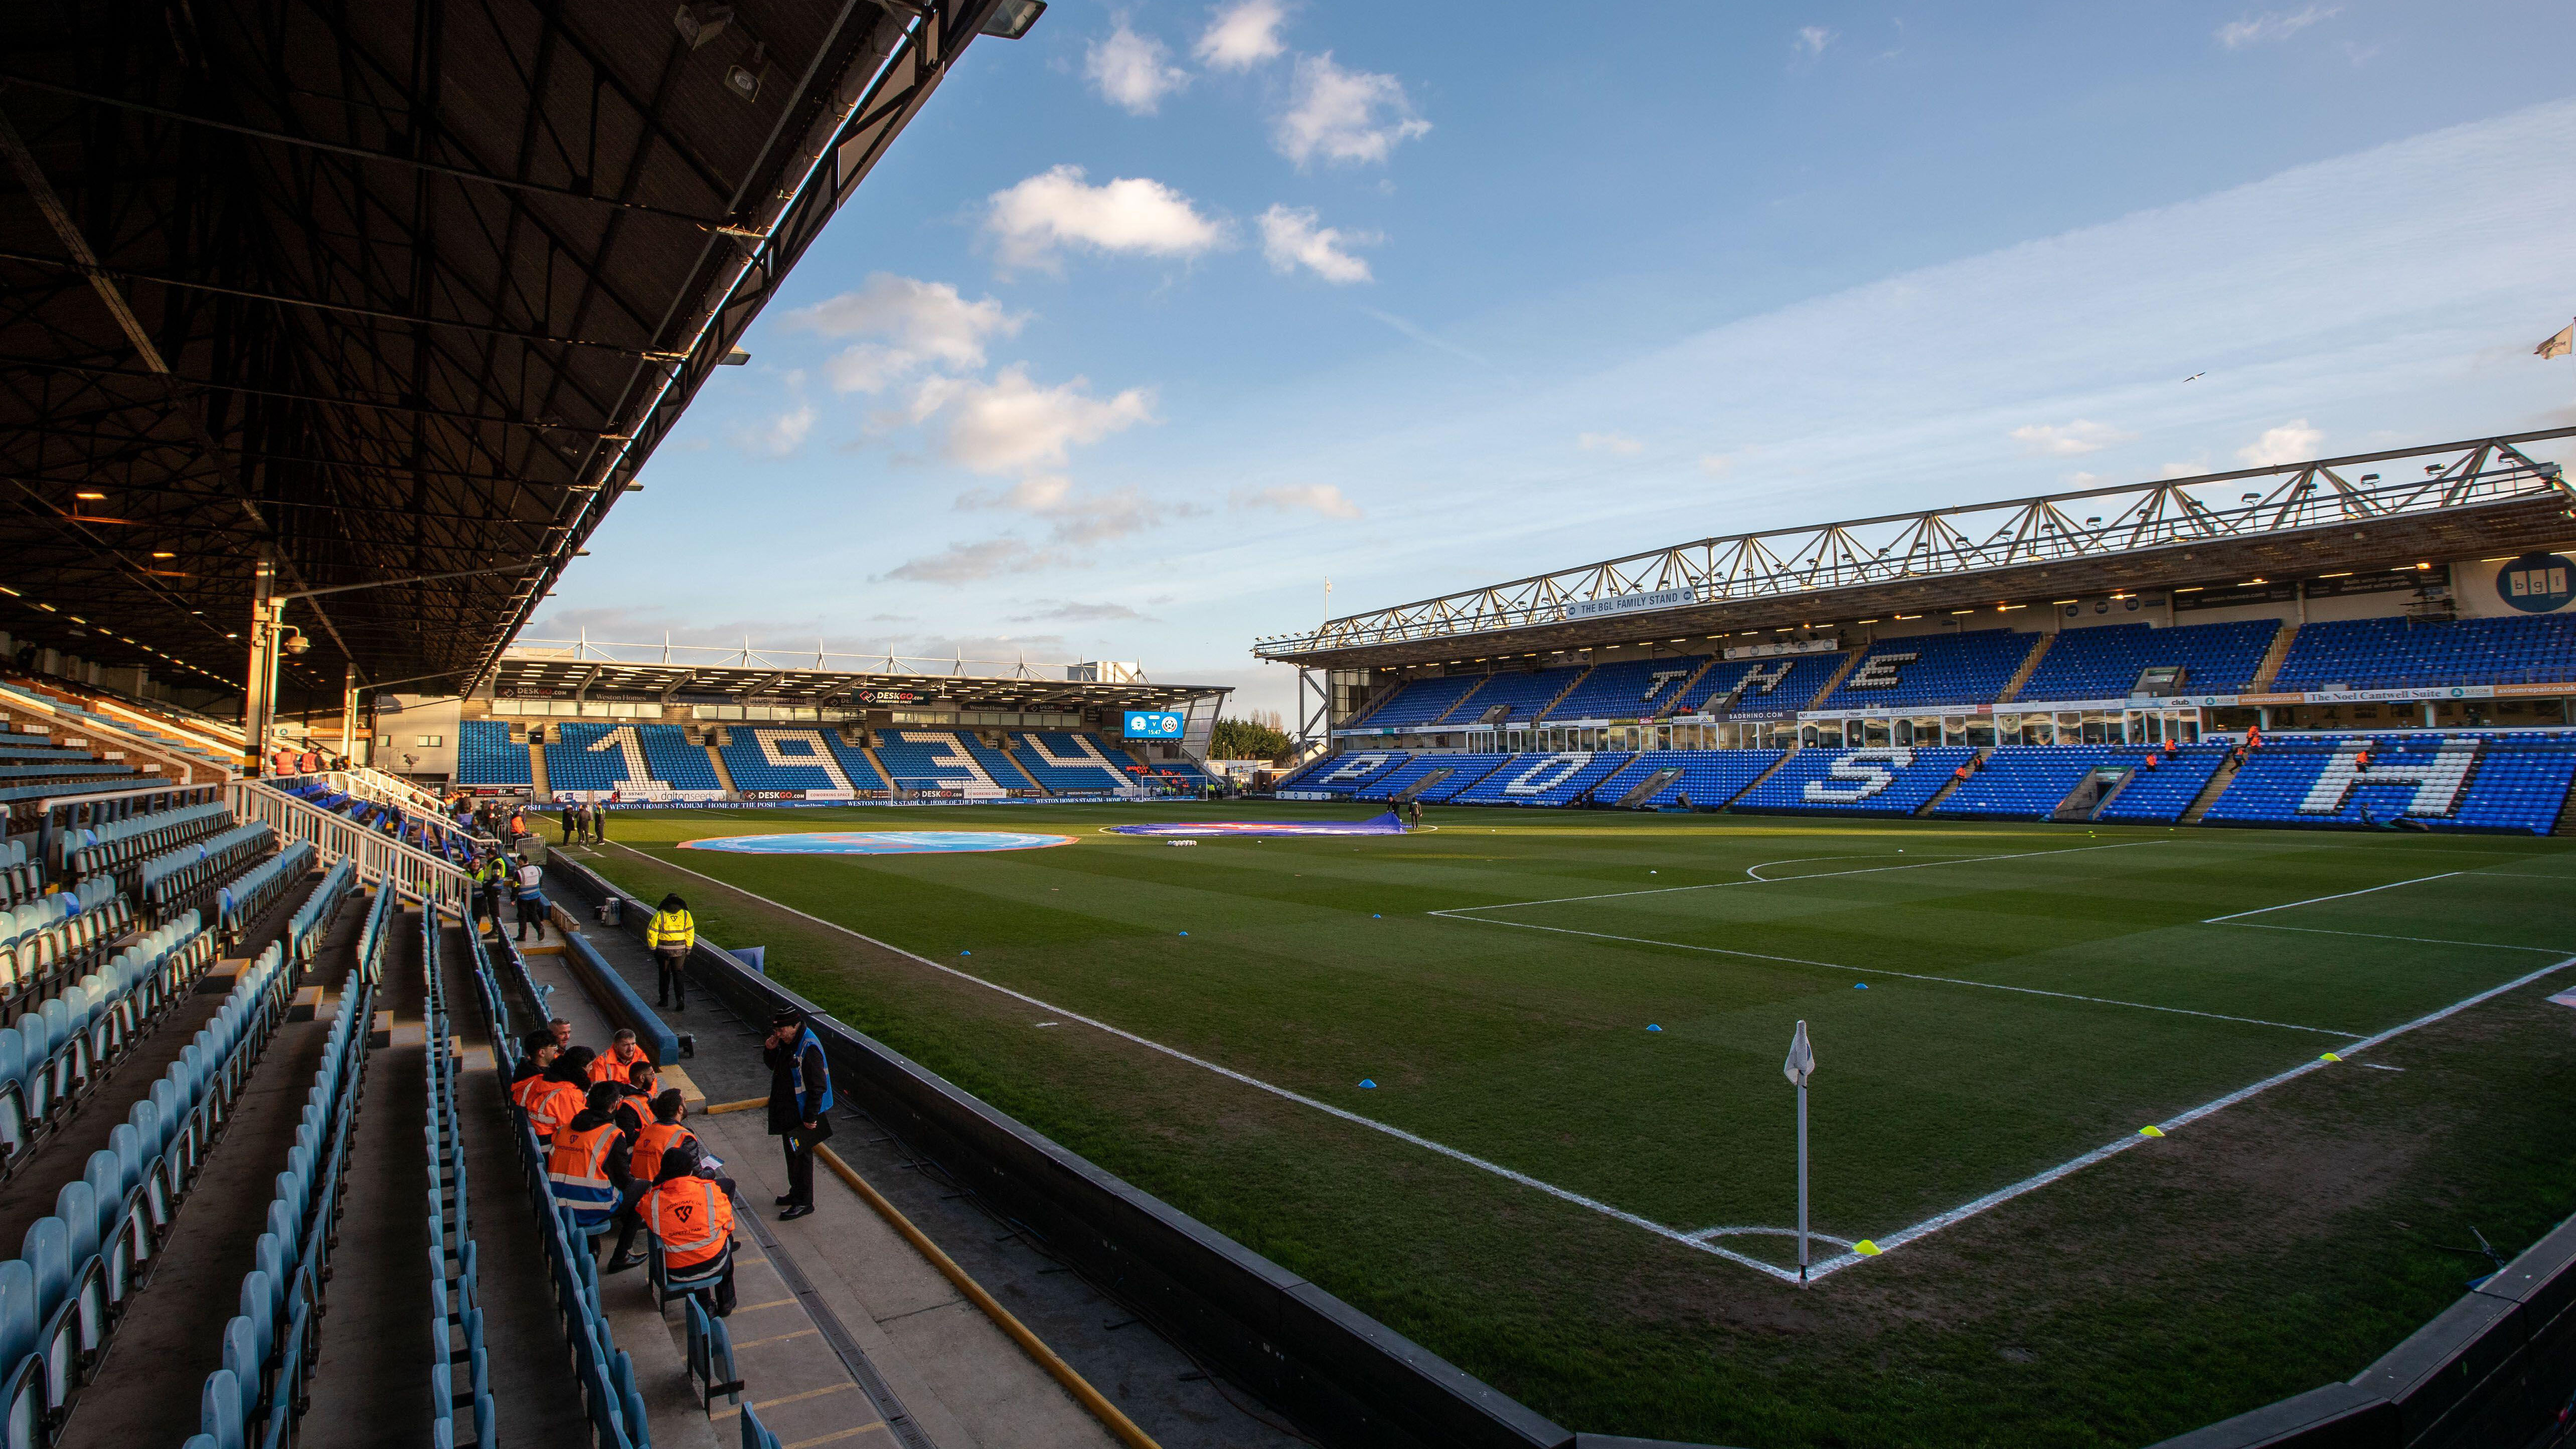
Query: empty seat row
pixel 1542 780
pixel 244 899
pixel 2459 782
pixel 1868 781
pixel 1072 763
pixel 50 1056
pixel 2106 660
pixel 1463 771
pixel 486 756
pixel 1933 669
pixel 2029 782
pixel 169 880
pixel 117 844
pixel 22 876
pixel 69 1289
pixel 1703 779
pixel 460 1374
pixel 2162 796
pixel 55 937
pixel 268 1347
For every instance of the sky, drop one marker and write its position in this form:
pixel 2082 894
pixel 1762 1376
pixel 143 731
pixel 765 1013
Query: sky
pixel 1162 317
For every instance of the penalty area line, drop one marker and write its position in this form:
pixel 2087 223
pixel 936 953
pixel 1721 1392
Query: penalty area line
pixel 1791 879
pixel 1687 1240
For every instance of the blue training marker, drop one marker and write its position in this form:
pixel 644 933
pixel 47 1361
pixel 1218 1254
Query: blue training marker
pixel 1185 933
pixel 965 953
pixel 1374 916
pixel 1650 1026
pixel 1860 986
pixel 1365 1082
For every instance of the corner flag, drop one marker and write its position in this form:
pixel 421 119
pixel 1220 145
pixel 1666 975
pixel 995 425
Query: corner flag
pixel 2559 345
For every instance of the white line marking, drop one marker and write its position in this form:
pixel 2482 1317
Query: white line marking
pixel 1784 880
pixel 1909 975
pixel 1755 870
pixel 2341 896
pixel 1961 1213
pixel 2381 1067
pixel 2377 936
pixel 1398 1133
pixel 1767 1233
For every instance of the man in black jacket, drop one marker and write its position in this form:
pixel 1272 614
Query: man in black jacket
pixel 800 1099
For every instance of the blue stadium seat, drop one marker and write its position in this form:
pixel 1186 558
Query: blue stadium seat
pixel 1774 687
pixel 1072 763
pixel 2027 782
pixel 598 755
pixel 2104 662
pixel 1878 780
pixel 1521 693
pixel 941 760
pixel 2161 795
pixel 2404 654
pixel 1419 701
pixel 2458 782
pixel 1933 669
pixel 485 756
pixel 790 757
pixel 1345 773
pixel 1464 771
pixel 1629 689
pixel 1542 779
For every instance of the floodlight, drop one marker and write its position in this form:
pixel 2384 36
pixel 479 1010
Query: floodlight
pixel 1012 18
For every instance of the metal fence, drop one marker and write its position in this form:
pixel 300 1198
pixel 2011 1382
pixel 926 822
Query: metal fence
pixel 414 873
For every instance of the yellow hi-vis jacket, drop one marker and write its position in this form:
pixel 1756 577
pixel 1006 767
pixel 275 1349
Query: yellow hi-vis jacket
pixel 671 929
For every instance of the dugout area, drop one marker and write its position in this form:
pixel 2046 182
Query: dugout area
pixel 1527 1187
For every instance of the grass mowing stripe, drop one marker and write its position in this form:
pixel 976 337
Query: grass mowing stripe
pixel 1907 975
pixel 1398 1133
pixel 1962 1213
pixel 1790 879
pixel 2340 896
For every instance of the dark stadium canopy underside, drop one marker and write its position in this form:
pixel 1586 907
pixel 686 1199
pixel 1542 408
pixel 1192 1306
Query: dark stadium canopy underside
pixel 389 291
pixel 2475 499
pixel 528 676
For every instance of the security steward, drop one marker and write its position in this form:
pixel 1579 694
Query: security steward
pixel 644 1165
pixel 537 1051
pixel 586 1165
pixel 564 1096
pixel 669 935
pixel 800 1101
pixel 618 1062
pixel 692 1217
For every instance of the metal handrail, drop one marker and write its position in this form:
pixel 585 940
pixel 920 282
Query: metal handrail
pixel 380 859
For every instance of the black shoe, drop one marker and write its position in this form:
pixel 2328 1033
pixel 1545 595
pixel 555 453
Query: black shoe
pixel 802 1209
pixel 786 1199
pixel 622 1263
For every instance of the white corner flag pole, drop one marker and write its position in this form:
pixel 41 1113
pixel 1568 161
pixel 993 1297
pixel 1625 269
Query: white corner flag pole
pixel 1800 1066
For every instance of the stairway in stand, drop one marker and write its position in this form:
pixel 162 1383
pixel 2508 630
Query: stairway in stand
pixel 2272 657
pixel 2029 666
pixel 2209 793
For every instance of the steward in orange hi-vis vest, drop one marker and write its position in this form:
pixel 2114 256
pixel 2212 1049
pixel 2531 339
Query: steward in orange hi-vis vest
pixel 693 1220
pixel 584 1166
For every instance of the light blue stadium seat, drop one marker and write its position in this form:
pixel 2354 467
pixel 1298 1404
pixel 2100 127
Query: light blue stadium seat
pixel 1933 669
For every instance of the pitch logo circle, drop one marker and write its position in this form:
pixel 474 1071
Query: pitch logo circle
pixel 879 842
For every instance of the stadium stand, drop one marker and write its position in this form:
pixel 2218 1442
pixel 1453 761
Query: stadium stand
pixel 1071 763
pixel 939 759
pixel 1877 781
pixel 2028 782
pixel 2161 795
pixel 1344 774
pixel 1629 689
pixel 1707 778
pixel 1542 780
pixel 2104 662
pixel 604 757
pixel 1775 686
pixel 170 880
pixel 1521 694
pixel 1420 701
pixel 997 763
pixel 118 846
pixel 2457 782
pixel 456 1320
pixel 760 757
pixel 485 755
pixel 2407 654
pixel 1463 771
pixel 1933 669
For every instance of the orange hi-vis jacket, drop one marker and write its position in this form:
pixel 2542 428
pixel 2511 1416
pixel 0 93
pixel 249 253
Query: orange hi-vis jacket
pixel 691 1217
pixel 608 1066
pixel 578 1167
pixel 525 1091
pixel 646 1164
pixel 551 1109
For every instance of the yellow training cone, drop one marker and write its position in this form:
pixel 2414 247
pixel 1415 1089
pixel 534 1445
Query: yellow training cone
pixel 2151 1132
pixel 2330 1057
pixel 1865 1248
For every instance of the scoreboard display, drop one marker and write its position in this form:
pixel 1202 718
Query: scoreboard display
pixel 1153 724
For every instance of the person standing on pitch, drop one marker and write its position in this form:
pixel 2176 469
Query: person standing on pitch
pixel 669 936
pixel 800 1096
pixel 570 825
pixel 599 822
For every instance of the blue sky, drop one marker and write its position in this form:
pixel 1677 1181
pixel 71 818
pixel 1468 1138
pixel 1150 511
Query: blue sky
pixel 1162 316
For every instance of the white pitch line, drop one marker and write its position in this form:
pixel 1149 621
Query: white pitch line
pixel 2381 936
pixel 2320 900
pixel 1785 880
pixel 1910 975
pixel 1960 1214
pixel 1327 1108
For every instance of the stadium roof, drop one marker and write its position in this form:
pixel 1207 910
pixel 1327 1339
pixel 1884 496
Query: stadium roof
pixel 391 291
pixel 540 669
pixel 2367 510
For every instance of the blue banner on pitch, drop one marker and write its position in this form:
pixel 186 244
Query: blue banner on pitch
pixel 1385 824
pixel 879 842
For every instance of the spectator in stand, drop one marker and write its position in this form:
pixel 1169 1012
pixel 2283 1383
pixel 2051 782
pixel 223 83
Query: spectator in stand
pixel 537 1051
pixel 800 1103
pixel 2361 761
pixel 586 1162
pixel 694 1220
pixel 492 876
pixel 565 1093
pixel 622 1054
pixel 532 899
pixel 310 762
pixel 670 935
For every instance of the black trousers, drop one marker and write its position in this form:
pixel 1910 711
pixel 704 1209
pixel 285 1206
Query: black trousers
pixel 670 981
pixel 800 1168
pixel 629 1221
pixel 532 913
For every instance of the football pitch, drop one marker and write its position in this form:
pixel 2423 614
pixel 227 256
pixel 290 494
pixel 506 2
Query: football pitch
pixel 2097 1113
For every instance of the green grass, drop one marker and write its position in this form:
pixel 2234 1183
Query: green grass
pixel 2280 1243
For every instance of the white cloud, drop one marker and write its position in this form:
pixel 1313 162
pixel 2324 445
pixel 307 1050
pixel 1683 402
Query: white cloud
pixel 1323 498
pixel 781 433
pixel 920 324
pixel 2072 440
pixel 1618 444
pixel 2191 467
pixel 1812 40
pixel 2273 25
pixel 1290 239
pixel 1070 612
pixel 1078 517
pixel 964 563
pixel 1716 465
pixel 1130 71
pixel 1344 115
pixel 1243 34
pixel 1012 425
pixel 1055 209
pixel 2291 442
